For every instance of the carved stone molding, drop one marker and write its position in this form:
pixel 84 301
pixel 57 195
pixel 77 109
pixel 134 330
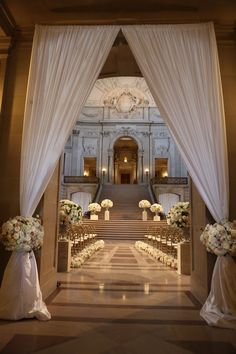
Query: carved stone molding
pixel 125 100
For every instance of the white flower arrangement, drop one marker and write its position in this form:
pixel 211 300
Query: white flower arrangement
pixel 78 259
pixel 219 239
pixel 69 212
pixel 94 208
pixel 144 204
pixel 22 234
pixel 178 215
pixel 156 253
pixel 107 203
pixel 156 208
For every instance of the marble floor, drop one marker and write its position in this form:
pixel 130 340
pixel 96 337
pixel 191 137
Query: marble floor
pixel 120 301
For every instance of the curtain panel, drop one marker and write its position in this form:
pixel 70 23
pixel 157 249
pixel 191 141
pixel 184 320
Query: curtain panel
pixel 180 66
pixel 65 63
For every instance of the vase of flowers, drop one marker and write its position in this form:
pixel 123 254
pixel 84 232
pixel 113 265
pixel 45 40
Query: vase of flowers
pixel 107 203
pixel 94 208
pixel 69 212
pixel 219 308
pixel 144 204
pixel 157 209
pixel 219 239
pixel 178 215
pixel 22 234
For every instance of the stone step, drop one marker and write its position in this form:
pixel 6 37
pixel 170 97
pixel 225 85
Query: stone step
pixel 123 229
pixel 125 216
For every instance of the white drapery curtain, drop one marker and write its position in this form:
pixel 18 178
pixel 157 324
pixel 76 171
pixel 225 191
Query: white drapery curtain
pixel 65 63
pixel 180 66
pixel 20 293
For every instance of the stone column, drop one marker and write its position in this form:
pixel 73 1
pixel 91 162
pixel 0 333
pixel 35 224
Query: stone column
pixel 110 167
pixel 202 262
pixel 13 84
pixel 140 167
pixel 75 153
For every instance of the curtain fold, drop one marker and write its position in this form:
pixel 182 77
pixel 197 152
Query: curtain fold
pixel 180 66
pixel 65 62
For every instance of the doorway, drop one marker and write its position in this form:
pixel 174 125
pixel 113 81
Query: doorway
pixel 125 161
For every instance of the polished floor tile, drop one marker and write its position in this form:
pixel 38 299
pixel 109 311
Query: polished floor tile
pixel 120 301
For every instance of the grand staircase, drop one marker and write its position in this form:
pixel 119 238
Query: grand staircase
pixel 125 216
pixel 125 199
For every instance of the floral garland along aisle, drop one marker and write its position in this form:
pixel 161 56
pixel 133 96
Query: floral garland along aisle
pixel 20 294
pixel 178 216
pixel 157 254
pixel 220 307
pixel 78 259
pixel 71 216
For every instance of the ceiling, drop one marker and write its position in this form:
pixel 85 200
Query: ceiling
pixel 18 18
pixel 26 13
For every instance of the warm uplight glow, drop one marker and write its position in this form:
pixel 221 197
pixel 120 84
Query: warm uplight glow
pixel 165 174
pixel 101 287
pixel 125 159
pixel 103 170
pixel 146 288
pixel 147 171
pixel 86 173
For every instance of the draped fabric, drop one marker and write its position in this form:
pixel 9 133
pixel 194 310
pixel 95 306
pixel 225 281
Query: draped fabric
pixel 65 62
pixel 180 66
pixel 220 308
pixel 20 294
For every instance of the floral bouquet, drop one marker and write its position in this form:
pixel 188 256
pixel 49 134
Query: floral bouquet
pixel 156 208
pixel 107 203
pixel 69 212
pixel 178 215
pixel 22 234
pixel 144 204
pixel 94 208
pixel 219 239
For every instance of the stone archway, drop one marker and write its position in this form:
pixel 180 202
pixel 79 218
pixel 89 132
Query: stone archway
pixel 126 132
pixel 125 150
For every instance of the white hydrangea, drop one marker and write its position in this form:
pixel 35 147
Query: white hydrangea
pixel 94 208
pixel 144 204
pixel 219 239
pixel 107 203
pixel 22 234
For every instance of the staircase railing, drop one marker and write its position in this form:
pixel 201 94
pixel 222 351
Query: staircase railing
pixel 152 193
pixel 98 193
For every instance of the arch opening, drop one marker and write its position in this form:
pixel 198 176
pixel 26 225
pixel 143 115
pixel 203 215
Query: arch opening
pixel 125 160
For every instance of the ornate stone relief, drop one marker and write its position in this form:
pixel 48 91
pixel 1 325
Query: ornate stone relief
pixel 106 87
pixel 92 113
pixel 125 100
pixel 76 131
pixel 161 147
pixel 89 146
pixel 69 142
pixel 92 134
pixel 162 134
pixel 137 113
pixel 126 131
